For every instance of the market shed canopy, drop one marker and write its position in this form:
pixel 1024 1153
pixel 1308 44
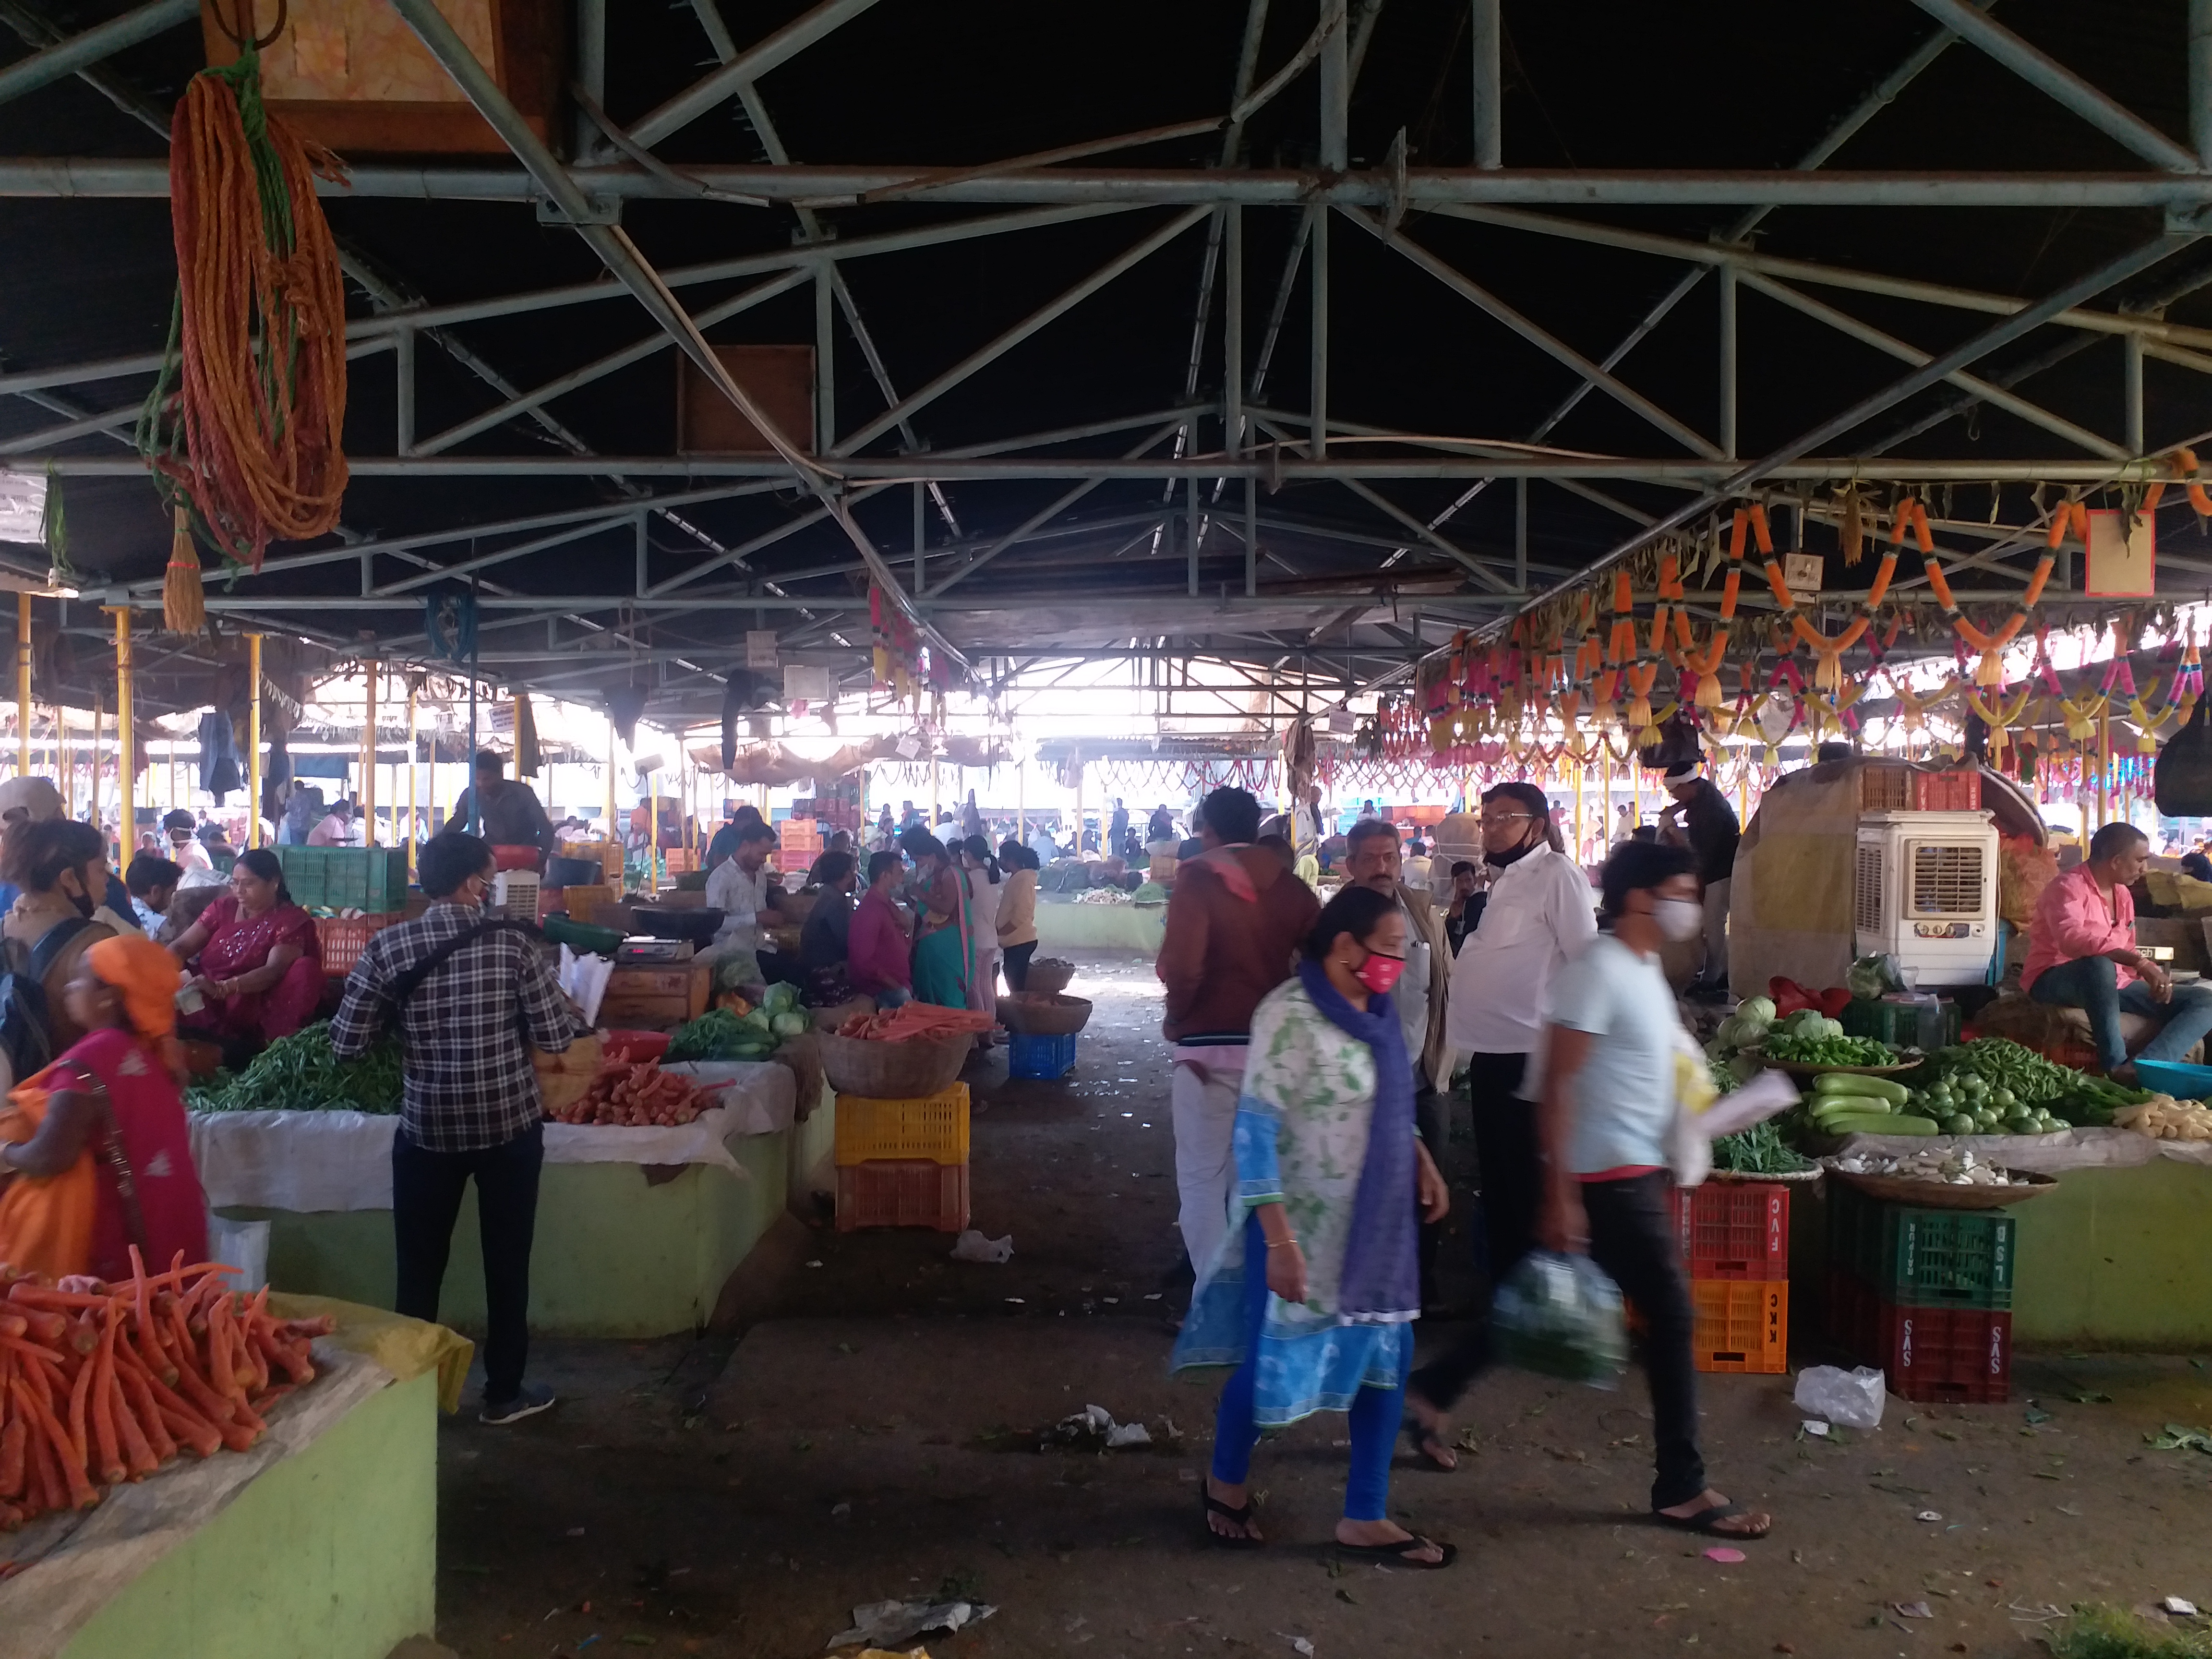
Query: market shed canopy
pixel 1295 337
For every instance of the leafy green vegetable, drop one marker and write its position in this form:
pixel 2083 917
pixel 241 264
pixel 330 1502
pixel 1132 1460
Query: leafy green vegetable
pixel 719 1034
pixel 299 1074
pixel 1758 1149
pixel 2003 1063
pixel 1759 1008
pixel 1830 1048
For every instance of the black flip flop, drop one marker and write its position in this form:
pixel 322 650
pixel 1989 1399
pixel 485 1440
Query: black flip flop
pixel 1241 1514
pixel 1703 1520
pixel 1427 1443
pixel 1393 1555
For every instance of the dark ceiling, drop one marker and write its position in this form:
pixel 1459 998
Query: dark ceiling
pixel 1605 87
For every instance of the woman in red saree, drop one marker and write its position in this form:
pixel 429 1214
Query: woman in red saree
pixel 258 966
pixel 94 1155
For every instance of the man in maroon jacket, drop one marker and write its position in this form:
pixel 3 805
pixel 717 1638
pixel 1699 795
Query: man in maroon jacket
pixel 876 944
pixel 1234 922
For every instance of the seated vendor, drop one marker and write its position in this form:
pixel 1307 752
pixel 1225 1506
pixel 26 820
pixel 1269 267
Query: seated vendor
pixel 876 951
pixel 748 894
pixel 839 842
pixel 824 941
pixel 152 882
pixel 59 867
pixel 256 963
pixel 2082 954
pixel 110 1107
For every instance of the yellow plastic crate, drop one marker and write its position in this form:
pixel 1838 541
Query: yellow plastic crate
pixel 934 1129
pixel 1742 1325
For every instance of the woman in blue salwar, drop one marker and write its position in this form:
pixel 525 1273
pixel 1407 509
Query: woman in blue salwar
pixel 1316 1286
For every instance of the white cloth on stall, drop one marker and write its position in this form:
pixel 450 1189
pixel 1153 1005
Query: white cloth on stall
pixel 312 1161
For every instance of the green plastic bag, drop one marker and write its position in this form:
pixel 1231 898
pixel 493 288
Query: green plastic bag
pixel 1559 1315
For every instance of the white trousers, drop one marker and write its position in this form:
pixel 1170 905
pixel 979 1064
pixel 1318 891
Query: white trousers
pixel 1716 910
pixel 1202 1093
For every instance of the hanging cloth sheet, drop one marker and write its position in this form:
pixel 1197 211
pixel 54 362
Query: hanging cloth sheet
pixel 219 768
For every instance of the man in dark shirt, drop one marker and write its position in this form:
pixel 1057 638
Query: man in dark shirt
pixel 464 996
pixel 506 813
pixel 825 940
pixel 1702 820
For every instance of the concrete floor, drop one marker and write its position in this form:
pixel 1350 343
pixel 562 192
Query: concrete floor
pixel 876 1438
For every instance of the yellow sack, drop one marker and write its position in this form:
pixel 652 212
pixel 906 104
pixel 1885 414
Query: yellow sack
pixel 405 1347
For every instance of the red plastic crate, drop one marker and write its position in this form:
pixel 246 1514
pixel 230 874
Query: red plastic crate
pixel 902 1192
pixel 341 939
pixel 1956 791
pixel 1736 1229
pixel 1954 1356
pixel 1741 1326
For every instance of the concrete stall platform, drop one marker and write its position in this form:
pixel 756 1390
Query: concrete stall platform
pixel 632 1240
pixel 1064 925
pixel 322 1540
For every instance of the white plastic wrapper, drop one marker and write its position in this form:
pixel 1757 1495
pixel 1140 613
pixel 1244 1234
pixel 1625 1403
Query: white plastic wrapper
pixel 1853 1398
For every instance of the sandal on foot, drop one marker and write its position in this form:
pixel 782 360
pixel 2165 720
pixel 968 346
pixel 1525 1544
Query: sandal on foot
pixel 1430 1447
pixel 1703 1520
pixel 1239 1513
pixel 1393 1555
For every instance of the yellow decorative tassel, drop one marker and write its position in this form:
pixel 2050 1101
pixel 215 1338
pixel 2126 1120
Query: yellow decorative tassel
pixel 1828 671
pixel 1709 692
pixel 184 602
pixel 1639 713
pixel 1988 668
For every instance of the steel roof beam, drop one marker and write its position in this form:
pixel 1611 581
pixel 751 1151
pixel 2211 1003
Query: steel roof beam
pixel 103 40
pixel 621 257
pixel 1423 188
pixel 2047 74
pixel 908 469
pixel 748 66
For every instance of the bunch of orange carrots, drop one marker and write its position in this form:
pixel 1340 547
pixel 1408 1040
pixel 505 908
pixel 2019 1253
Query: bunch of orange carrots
pixel 107 1383
pixel 915 1020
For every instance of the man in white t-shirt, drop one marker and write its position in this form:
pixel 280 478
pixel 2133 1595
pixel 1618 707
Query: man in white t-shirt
pixel 1608 1104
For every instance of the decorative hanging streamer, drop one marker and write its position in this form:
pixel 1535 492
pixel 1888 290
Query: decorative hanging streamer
pixel 1990 669
pixel 1621 647
pixel 2182 464
pixel 1913 710
pixel 1641 678
pixel 1827 653
pixel 2189 680
pixel 1999 716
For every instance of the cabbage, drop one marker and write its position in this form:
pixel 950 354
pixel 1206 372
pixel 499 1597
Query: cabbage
pixel 1759 1008
pixel 781 998
pixel 758 1019
pixel 788 1024
pixel 1737 1032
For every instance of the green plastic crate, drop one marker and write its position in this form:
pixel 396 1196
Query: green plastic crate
pixel 304 869
pixel 370 879
pixel 1916 1258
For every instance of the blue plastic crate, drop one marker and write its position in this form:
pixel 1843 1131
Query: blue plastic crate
pixel 1046 1057
pixel 2182 1082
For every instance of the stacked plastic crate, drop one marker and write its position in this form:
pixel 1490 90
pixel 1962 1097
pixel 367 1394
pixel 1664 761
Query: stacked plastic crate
pixel 902 1162
pixel 1735 1237
pixel 1924 1294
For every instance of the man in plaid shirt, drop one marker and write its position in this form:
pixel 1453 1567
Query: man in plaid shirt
pixel 471 1105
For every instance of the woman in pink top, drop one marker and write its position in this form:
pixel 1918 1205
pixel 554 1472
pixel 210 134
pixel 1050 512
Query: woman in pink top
pixel 2082 954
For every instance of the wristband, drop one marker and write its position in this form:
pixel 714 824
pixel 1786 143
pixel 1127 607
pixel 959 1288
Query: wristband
pixel 1281 1244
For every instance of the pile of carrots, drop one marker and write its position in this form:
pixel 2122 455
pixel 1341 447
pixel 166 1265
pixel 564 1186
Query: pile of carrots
pixel 107 1384
pixel 915 1020
pixel 635 1095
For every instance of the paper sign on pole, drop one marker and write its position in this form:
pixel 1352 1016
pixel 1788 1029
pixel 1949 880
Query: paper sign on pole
pixel 803 683
pixel 2120 565
pixel 1803 573
pixel 760 649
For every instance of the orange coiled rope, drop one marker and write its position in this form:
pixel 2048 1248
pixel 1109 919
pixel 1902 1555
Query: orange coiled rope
pixel 246 426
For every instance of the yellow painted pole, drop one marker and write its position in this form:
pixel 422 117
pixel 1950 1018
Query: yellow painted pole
pixel 67 759
pixel 2104 763
pixel 126 777
pixel 1635 788
pixel 430 818
pixel 93 816
pixel 369 753
pixel 1581 767
pixel 413 835
pixel 254 739
pixel 1605 782
pixel 23 684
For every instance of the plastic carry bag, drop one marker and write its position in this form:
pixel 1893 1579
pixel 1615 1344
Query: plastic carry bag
pixel 1852 1398
pixel 1560 1315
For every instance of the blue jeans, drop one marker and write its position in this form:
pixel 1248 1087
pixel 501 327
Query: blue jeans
pixel 2092 983
pixel 1375 1415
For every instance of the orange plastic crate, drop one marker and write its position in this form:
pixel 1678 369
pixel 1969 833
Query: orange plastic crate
pixel 1734 1229
pixel 1959 790
pixel 902 1192
pixel 1742 1325
pixel 934 1127
pixel 342 939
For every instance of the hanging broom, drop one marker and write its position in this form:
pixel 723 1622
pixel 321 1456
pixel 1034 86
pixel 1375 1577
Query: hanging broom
pixel 184 602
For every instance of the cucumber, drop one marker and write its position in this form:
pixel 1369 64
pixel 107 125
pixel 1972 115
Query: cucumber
pixel 1829 1105
pixel 1851 1083
pixel 1877 1123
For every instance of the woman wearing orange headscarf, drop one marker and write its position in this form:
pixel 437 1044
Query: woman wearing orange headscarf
pixel 95 1153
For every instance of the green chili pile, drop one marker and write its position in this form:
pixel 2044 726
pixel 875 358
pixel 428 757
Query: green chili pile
pixel 299 1074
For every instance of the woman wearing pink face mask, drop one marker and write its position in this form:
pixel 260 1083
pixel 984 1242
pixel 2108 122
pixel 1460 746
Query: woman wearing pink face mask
pixel 1313 1295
